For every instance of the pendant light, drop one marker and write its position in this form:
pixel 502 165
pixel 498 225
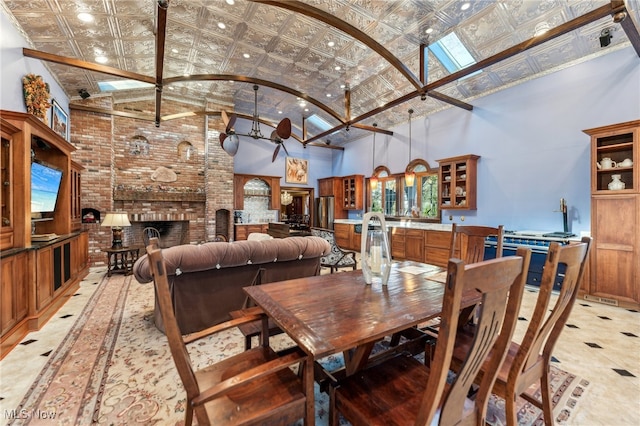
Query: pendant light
pixel 373 182
pixel 409 175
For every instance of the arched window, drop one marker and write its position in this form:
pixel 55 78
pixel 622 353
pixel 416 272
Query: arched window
pixel 383 196
pixel 421 199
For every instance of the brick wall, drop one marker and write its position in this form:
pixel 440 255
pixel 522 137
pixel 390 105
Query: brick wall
pixel 106 148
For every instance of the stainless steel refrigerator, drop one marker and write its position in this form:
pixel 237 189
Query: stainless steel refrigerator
pixel 324 212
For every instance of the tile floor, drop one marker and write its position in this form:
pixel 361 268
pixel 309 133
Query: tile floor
pixel 600 343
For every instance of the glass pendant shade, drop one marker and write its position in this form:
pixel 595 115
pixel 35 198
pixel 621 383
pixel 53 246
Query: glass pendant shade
pixel 373 182
pixel 375 252
pixel 409 178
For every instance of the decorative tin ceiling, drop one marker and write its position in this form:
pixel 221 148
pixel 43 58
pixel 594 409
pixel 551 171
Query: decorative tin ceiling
pixel 307 55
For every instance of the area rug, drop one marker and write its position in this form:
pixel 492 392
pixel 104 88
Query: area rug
pixel 115 368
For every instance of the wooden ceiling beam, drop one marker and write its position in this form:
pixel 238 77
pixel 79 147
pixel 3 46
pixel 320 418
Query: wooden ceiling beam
pixel 161 34
pixel 628 24
pixel 89 66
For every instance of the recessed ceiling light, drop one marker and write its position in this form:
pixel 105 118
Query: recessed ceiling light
pixel 337 68
pixel 85 17
pixel 174 50
pixel 221 25
pixel 331 44
pixel 429 30
pixel 102 59
pixel 328 95
pixel 342 86
pixel 279 112
pixel 306 110
pixel 465 6
pixel 246 55
pixel 231 2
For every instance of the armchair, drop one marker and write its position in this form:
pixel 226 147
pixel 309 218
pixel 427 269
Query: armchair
pixel 337 257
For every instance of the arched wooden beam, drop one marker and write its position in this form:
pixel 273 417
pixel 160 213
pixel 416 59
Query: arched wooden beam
pixel 258 81
pixel 321 15
pixel 315 13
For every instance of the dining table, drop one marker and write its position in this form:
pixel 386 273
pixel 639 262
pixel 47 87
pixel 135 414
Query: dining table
pixel 333 313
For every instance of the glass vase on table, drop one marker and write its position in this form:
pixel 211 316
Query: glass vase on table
pixel 375 252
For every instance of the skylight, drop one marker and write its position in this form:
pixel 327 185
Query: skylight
pixel 112 86
pixel 452 53
pixel 320 123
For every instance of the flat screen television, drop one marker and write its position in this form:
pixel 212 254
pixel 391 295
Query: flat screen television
pixel 45 185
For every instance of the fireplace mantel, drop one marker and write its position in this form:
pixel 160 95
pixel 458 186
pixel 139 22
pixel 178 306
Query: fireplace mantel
pixel 162 217
pixel 135 195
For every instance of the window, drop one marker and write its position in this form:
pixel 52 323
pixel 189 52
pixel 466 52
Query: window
pixel 421 199
pixel 383 196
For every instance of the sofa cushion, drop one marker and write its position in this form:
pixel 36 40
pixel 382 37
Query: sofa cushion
pixel 216 255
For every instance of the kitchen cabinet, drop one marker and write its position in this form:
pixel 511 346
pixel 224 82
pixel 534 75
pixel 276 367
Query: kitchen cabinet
pixel 398 243
pixel 332 187
pixel 414 245
pixel 343 233
pixel 614 276
pixel 242 231
pixel 458 182
pixel 352 194
pixel 436 247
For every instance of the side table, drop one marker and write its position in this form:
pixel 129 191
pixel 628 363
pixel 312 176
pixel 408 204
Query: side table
pixel 121 260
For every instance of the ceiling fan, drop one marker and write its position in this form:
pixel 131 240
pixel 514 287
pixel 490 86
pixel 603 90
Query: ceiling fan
pixel 229 140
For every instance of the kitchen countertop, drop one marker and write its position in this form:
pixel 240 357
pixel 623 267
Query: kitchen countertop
pixel 409 224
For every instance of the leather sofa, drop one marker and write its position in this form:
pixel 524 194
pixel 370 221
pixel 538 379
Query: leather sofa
pixel 206 280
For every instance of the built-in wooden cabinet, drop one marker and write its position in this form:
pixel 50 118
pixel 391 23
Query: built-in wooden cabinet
pixel 352 195
pixel 414 240
pixel 37 278
pixel 239 193
pixel 76 198
pixel 242 231
pixel 458 182
pixel 13 288
pixel 398 243
pixel 332 187
pixel 615 215
pixel 437 247
pixel 343 234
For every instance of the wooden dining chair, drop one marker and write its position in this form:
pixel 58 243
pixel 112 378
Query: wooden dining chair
pixel 403 391
pixel 253 387
pixel 467 242
pixel 529 362
pixel 148 233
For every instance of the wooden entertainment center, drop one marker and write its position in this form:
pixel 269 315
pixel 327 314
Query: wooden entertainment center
pixel 36 277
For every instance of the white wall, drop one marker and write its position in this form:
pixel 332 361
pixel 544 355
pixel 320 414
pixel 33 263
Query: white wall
pixel 14 66
pixel 533 151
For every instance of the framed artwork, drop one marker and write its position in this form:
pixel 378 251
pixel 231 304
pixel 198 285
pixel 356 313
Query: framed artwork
pixel 59 120
pixel 296 170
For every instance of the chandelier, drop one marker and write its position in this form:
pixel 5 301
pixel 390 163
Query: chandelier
pixel 286 198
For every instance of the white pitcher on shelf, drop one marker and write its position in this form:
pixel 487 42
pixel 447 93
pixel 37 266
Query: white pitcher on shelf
pixel 606 163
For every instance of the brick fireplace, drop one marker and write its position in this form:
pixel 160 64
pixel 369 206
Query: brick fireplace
pixel 121 157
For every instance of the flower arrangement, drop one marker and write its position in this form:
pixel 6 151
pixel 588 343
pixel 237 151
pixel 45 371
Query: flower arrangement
pixel 36 95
